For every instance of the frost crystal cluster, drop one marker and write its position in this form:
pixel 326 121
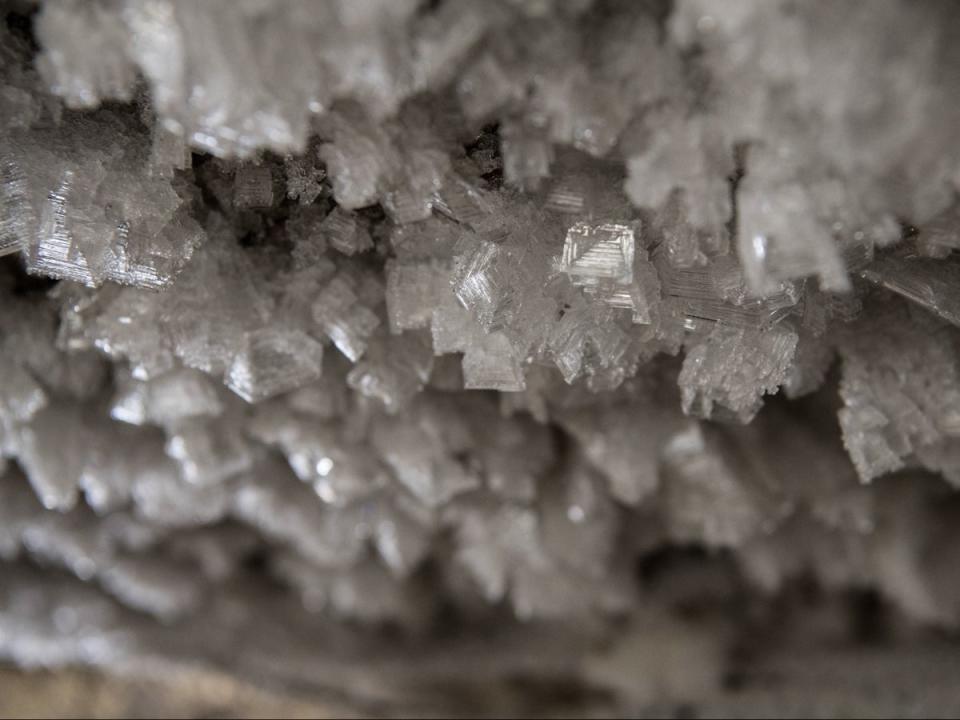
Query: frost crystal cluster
pixel 379 345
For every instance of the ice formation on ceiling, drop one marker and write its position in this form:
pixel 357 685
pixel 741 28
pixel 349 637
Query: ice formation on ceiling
pixel 470 305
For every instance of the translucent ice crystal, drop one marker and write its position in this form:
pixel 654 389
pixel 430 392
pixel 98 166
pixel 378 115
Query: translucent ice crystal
pixel 209 452
pixel 338 467
pixel 490 364
pixel 111 469
pixel 88 210
pixel 707 498
pixel 885 419
pixel 176 396
pixel 719 371
pixel 484 283
pixel 394 370
pixel 932 285
pixel 52 449
pixel 274 361
pixel 624 441
pixel 361 159
pixel 600 259
pixel 527 156
pixel 417 453
pixel 253 187
pixel 347 322
pixel 343 232
pixel 939 236
pixel 162 497
pixel 413 291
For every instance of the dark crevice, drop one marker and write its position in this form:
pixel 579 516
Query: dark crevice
pixel 734 179
pixel 485 151
pixel 19 281
pixel 20 26
pixel 908 231
pixel 868 617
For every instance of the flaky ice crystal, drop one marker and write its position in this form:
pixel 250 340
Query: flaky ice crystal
pixel 325 317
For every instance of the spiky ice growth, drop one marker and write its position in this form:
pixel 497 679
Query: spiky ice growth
pixel 399 313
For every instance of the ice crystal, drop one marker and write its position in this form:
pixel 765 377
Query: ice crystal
pixel 320 319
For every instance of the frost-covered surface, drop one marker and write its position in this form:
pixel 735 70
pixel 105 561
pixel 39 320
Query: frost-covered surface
pixel 461 316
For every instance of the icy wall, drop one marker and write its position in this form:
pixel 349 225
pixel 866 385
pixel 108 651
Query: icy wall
pixel 320 318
